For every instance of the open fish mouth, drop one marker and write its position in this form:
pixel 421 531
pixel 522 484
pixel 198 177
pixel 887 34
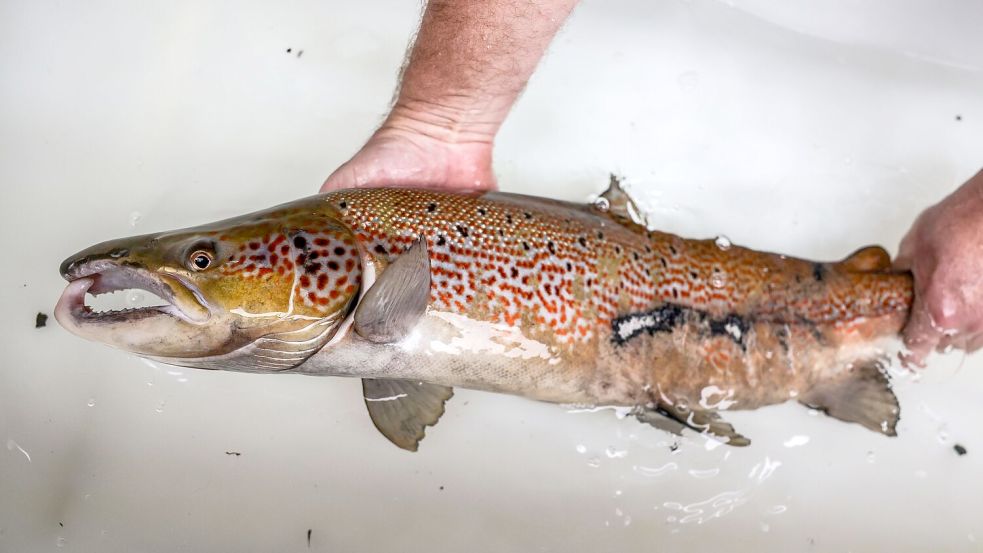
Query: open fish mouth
pixel 104 276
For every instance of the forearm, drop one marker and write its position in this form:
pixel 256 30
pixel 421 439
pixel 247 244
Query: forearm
pixel 470 62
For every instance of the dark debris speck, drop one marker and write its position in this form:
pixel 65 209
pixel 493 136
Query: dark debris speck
pixel 959 117
pixel 41 320
pixel 236 453
pixel 960 449
pixel 309 532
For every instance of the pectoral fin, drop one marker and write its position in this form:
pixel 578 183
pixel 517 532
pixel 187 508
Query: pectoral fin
pixel 397 300
pixel 862 395
pixel 403 409
pixel 674 419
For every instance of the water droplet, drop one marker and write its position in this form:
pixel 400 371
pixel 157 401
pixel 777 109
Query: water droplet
pixel 871 457
pixel 593 462
pixel 688 81
pixel 681 404
pixel 777 510
pixel 135 218
pixel 614 453
pixel 618 512
pixel 948 348
pixel 91 402
pixel 627 520
pixel 581 448
pixel 160 407
pixel 848 160
pixel 617 492
pixel 723 242
pixel 796 441
pixel 60 542
pixel 135 297
pixel 602 204
pixel 765 527
pixel 718 280
pixel 793 393
pixel 943 437
pixel 769 354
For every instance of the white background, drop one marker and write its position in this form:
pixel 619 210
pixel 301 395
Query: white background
pixel 786 125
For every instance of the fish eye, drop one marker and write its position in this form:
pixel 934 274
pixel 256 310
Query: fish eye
pixel 200 260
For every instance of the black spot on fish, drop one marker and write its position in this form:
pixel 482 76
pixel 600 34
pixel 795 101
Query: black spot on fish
pixel 508 218
pixel 527 214
pixel 600 235
pixel 313 256
pixel 590 282
pixel 525 245
pixel 339 251
pixel 675 293
pixel 798 279
pixel 333 265
pixel 617 249
pixel 664 264
pixel 635 256
pixel 818 271
pixel 343 204
pixel 300 242
pixel 733 326
pixel 661 319
pixel 782 335
pixel 514 272
pixel 311 268
pixel 431 207
pixel 569 266
pixel 582 241
pixel 481 211
pixel 441 240
pixel 379 248
pixel 673 250
pixel 648 249
pixel 462 230
pixel 693 274
pixel 551 247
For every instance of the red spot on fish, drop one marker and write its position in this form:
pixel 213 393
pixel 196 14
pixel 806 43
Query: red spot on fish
pixel 322 281
pixel 305 281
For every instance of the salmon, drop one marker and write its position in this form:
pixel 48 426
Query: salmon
pixel 417 292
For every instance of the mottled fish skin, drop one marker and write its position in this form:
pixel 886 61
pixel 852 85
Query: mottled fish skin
pixel 549 300
pixel 627 316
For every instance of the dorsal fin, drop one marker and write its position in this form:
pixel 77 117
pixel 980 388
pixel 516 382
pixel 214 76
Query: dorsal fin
pixel 618 205
pixel 871 259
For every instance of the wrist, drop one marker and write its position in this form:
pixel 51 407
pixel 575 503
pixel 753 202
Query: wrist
pixel 458 121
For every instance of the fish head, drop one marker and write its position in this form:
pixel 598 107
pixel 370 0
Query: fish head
pixel 257 293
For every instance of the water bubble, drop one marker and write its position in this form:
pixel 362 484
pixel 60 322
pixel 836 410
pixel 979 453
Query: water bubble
pixel 91 402
pixel 627 520
pixel 718 280
pixel 614 453
pixel 135 218
pixel 593 462
pixel 581 448
pixel 723 242
pixel 135 297
pixel 871 457
pixel 602 204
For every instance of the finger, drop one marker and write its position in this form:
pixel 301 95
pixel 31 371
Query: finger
pixel 921 335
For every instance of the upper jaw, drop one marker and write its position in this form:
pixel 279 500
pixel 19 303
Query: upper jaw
pixel 104 275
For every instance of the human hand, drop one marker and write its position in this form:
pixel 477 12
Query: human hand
pixel 418 151
pixel 944 252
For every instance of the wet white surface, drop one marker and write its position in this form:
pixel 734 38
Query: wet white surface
pixel 783 127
